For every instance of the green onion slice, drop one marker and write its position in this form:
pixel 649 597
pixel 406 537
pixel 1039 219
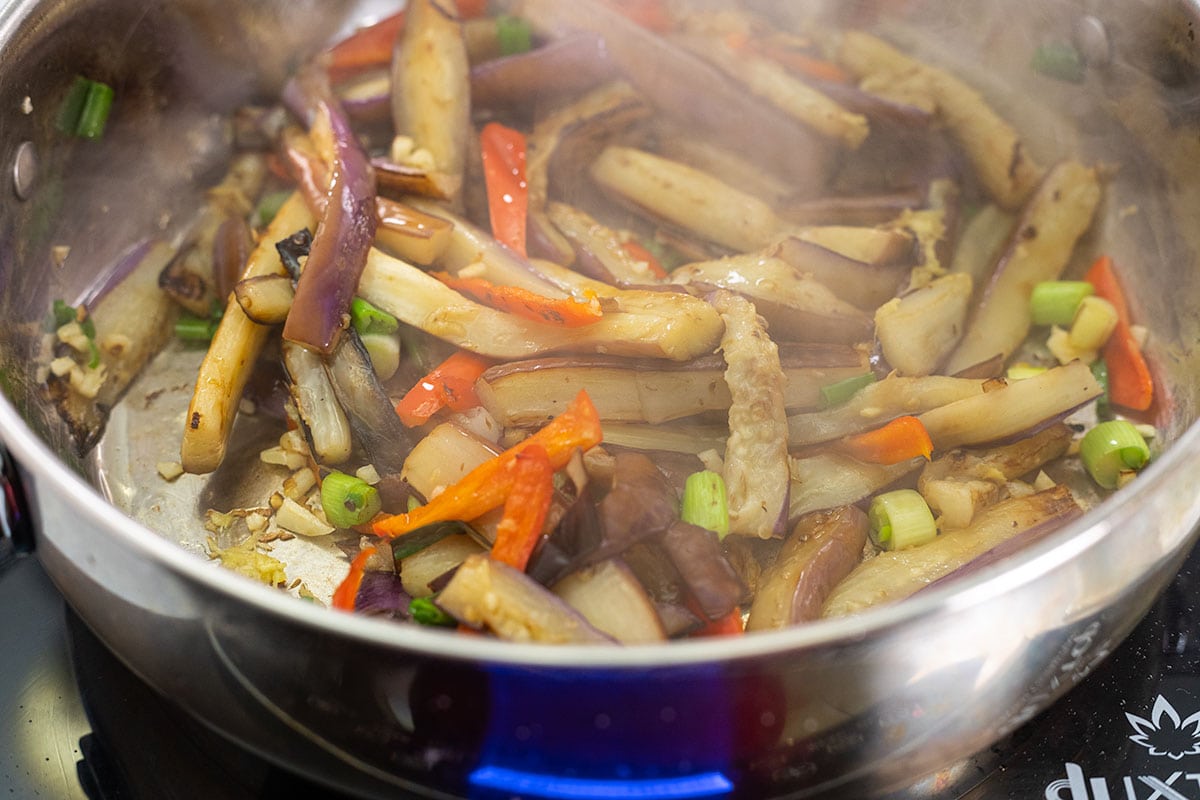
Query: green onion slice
pixel 96 107
pixel 72 105
pixel 705 502
pixel 514 35
pixel 191 328
pixel 268 206
pixel 368 319
pixel 1055 302
pixel 1059 60
pixel 417 540
pixel 348 500
pixel 834 394
pixel 63 313
pixel 1100 373
pixel 1111 448
pixel 901 519
pixel 426 612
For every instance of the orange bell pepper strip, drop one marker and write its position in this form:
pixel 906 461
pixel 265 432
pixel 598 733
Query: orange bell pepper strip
pixel 567 312
pixel 503 151
pixel 450 384
pixel 366 48
pixel 470 9
pixel 486 487
pixel 525 508
pixel 347 591
pixel 1130 384
pixel 899 440
pixel 728 625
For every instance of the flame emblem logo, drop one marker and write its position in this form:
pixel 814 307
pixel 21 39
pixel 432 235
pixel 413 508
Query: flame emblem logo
pixel 1165 734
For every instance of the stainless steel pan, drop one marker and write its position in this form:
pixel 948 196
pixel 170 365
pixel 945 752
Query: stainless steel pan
pixel 844 708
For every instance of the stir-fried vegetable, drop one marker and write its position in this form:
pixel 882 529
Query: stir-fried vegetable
pixel 624 292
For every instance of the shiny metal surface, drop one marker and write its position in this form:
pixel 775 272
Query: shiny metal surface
pixel 843 708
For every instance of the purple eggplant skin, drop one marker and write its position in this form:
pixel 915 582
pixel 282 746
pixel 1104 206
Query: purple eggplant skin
pixel 340 246
pixel 822 550
pixel 564 66
pixel 373 420
pixel 381 594
pixel 711 580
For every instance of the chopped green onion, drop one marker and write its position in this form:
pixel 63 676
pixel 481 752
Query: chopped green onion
pixel 1112 448
pixel 366 318
pixel 669 258
pixel 901 519
pixel 416 541
pixel 63 313
pixel 413 503
pixel 426 612
pixel 348 500
pixel 95 112
pixel 1100 373
pixel 513 35
pixel 72 105
pixel 1055 302
pixel 835 394
pixel 1059 60
pixel 191 328
pixel 1095 320
pixel 268 206
pixel 705 502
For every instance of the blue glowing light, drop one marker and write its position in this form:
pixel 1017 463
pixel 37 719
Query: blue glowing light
pixel 555 787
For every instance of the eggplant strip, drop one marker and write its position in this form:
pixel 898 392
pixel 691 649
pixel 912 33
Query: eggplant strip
pixel 610 597
pixel 756 465
pixel 956 485
pixel 1040 247
pixel 525 394
pixel 830 480
pixel 312 392
pixel 917 331
pixel 864 285
pixel 660 326
pixel 431 87
pixel 599 251
pixel 821 551
pixel 995 150
pixel 897 574
pixel 878 403
pixel 1015 409
pixel 234 349
pixel 796 307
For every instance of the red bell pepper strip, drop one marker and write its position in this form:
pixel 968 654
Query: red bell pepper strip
pixel 504 175
pixel 567 312
pixel 1130 384
pixel 899 440
pixel 637 251
pixel 525 508
pixel 366 48
pixel 486 487
pixel 450 384
pixel 728 625
pixel 470 9
pixel 347 591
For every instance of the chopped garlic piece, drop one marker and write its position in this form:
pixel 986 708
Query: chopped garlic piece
pixel 294 517
pixel 169 470
pixel 60 367
pixel 367 474
pixel 72 336
pixel 283 458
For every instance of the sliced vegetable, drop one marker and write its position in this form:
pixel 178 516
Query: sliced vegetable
pixel 525 507
pixel 366 318
pixel 425 611
pixel 368 47
pixel 1059 60
pixel 503 151
pixel 84 111
pixel 347 591
pixel 428 536
pixel 1130 382
pixel 567 312
pixel 705 502
pixel 1055 302
pixel 1100 373
pixel 513 35
pixel 902 439
pixel 450 385
pixel 190 328
pixel 839 392
pixel 1094 323
pixel 901 519
pixel 1111 449
pixel 348 501
pixel 486 486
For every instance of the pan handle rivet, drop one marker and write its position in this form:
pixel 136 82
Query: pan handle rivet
pixel 24 170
